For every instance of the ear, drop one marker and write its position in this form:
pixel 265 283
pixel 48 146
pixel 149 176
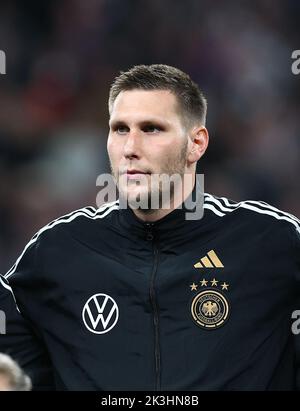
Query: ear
pixel 199 142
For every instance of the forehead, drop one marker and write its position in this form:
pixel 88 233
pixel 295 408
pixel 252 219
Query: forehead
pixel 139 103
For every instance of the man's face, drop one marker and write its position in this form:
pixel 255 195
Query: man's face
pixel 146 137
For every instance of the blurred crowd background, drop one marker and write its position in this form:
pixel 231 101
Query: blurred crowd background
pixel 62 57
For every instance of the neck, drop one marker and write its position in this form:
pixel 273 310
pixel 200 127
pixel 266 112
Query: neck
pixel 179 197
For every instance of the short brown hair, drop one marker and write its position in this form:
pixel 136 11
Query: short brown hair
pixel 191 100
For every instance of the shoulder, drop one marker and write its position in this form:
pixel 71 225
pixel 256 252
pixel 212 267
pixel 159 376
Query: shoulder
pixel 77 218
pixel 253 211
pixel 57 228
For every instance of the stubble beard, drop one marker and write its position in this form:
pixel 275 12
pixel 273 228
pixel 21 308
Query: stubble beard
pixel 172 166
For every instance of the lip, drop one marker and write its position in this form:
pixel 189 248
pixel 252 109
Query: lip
pixel 134 171
pixel 133 174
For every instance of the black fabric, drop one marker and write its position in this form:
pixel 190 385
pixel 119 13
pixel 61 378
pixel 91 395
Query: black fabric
pixel 149 271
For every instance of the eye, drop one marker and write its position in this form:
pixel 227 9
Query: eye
pixel 121 129
pixel 152 128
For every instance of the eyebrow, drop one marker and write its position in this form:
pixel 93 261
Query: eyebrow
pixel 143 123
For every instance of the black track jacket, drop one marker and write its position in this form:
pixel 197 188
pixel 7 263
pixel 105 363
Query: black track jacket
pixel 99 300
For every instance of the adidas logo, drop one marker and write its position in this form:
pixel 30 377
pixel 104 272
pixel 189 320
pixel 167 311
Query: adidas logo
pixel 211 260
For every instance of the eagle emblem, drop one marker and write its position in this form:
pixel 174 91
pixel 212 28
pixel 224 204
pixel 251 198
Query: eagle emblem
pixel 209 309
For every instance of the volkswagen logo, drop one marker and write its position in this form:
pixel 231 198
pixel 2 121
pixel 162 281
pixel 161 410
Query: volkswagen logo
pixel 100 313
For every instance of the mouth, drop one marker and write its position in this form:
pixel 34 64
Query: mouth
pixel 135 174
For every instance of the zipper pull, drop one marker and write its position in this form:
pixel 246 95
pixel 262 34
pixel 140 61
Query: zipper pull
pixel 149 234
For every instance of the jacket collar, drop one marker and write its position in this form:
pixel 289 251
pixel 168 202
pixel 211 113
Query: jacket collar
pixel 162 228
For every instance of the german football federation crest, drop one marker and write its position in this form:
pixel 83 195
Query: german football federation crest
pixel 209 309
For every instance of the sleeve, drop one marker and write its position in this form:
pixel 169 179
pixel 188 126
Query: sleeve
pixel 296 312
pixel 18 337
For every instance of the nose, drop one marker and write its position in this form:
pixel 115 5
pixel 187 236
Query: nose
pixel 132 145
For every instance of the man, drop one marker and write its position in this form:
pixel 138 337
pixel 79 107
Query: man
pixel 12 378
pixel 143 298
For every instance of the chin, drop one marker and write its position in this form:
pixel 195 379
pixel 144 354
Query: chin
pixel 138 199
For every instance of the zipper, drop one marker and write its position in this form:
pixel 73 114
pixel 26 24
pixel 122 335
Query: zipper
pixel 150 237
